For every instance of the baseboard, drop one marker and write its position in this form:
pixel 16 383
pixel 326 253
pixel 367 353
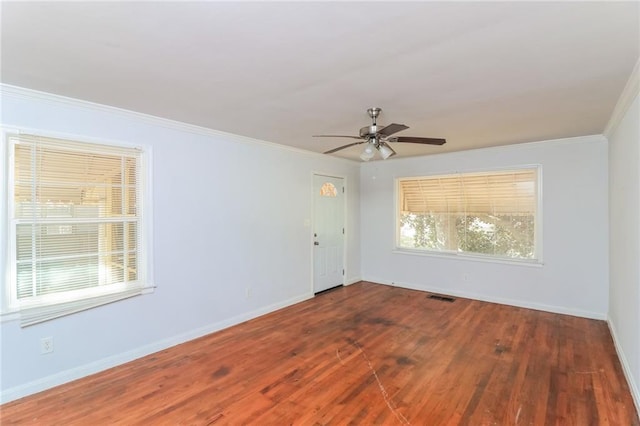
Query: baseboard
pixel 350 281
pixel 115 360
pixel 499 300
pixel 626 369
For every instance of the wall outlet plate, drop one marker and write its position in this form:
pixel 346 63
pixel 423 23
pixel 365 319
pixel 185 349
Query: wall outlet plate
pixel 46 345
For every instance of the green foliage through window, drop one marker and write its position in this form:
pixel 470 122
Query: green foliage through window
pixel 506 236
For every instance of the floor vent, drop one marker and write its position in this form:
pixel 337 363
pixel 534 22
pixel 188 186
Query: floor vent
pixel 442 298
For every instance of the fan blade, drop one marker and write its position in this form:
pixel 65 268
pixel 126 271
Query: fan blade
pixel 411 139
pixel 331 151
pixel 336 136
pixel 392 128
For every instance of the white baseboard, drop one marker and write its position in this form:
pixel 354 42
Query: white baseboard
pixel 633 385
pixel 115 360
pixel 352 280
pixel 491 299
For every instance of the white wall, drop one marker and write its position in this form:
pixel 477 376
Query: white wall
pixel 573 278
pixel 228 214
pixel 624 211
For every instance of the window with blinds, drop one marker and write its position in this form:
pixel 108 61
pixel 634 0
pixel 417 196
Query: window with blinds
pixel 489 213
pixel 76 225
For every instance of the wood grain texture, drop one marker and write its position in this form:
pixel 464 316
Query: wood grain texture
pixel 365 354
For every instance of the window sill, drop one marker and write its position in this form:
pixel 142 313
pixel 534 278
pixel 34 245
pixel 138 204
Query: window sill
pixel 535 263
pixel 81 305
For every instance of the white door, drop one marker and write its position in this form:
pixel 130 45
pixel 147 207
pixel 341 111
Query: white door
pixel 328 249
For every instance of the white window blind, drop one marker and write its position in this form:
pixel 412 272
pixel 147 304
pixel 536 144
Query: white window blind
pixel 490 213
pixel 77 231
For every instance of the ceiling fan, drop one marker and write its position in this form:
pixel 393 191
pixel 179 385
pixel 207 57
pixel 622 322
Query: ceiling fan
pixel 378 138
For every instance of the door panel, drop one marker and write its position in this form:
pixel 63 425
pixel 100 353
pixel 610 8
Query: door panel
pixel 328 246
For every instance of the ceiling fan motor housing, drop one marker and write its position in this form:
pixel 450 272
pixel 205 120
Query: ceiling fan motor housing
pixel 370 131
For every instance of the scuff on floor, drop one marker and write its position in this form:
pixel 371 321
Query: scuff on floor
pixel 385 395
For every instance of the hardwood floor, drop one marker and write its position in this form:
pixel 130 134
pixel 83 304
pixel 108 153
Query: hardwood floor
pixel 364 354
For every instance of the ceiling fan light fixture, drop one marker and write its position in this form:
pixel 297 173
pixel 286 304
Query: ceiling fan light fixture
pixel 385 151
pixel 368 152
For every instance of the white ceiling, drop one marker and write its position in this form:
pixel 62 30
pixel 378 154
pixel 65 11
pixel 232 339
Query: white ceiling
pixel 478 74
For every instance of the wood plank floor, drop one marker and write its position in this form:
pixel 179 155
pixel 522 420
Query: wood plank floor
pixel 365 354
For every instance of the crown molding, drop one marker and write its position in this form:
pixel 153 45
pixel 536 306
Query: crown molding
pixel 7 90
pixel 629 93
pixel 598 138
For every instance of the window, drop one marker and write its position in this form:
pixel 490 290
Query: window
pixel 328 190
pixel 77 228
pixel 492 213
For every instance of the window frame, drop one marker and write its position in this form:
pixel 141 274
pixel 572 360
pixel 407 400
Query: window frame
pixel 537 260
pixel 10 307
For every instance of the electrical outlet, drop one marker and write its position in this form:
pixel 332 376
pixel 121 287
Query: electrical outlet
pixel 46 345
pixel 247 293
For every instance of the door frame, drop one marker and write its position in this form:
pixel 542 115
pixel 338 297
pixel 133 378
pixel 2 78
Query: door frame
pixel 313 225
